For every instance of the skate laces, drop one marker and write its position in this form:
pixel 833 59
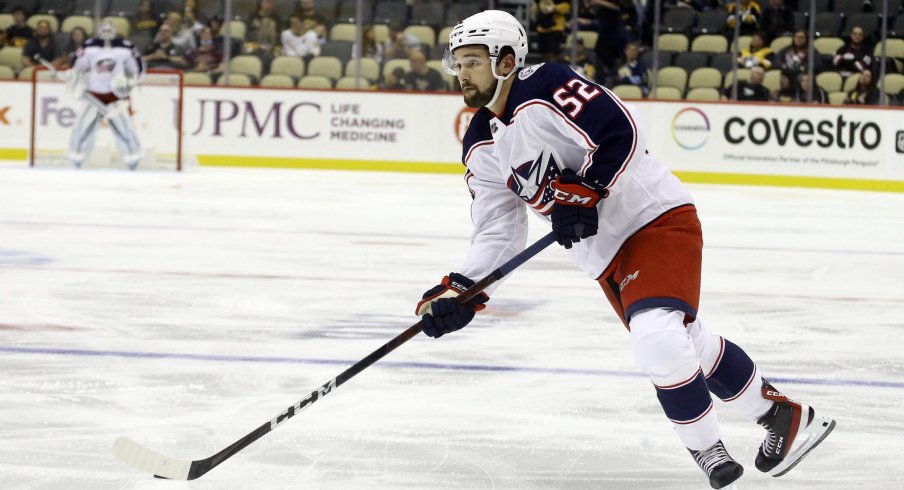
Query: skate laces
pixel 770 443
pixel 712 458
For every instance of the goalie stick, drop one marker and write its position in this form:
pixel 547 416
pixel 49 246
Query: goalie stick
pixel 163 466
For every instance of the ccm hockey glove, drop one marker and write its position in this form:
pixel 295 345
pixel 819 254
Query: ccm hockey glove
pixel 440 308
pixel 574 216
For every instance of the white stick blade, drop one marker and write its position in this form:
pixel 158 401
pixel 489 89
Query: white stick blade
pixel 134 454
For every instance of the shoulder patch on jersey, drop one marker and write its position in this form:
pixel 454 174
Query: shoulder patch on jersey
pixel 478 131
pixel 530 70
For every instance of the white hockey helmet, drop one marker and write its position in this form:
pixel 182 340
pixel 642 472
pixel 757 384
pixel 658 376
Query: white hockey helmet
pixel 494 29
pixel 106 31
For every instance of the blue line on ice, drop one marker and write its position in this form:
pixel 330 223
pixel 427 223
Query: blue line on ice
pixel 409 365
pixel 397 235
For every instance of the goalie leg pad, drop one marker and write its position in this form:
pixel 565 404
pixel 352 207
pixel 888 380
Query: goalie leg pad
pixel 81 140
pixel 126 139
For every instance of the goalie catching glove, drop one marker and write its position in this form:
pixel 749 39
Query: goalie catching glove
pixel 440 309
pixel 574 216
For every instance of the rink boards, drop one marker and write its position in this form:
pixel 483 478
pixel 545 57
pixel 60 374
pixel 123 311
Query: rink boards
pixel 798 145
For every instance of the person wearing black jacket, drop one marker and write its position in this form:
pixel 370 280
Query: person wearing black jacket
pixel 751 90
pixel 777 19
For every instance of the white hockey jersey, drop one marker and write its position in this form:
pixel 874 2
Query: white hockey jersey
pixel 102 63
pixel 555 119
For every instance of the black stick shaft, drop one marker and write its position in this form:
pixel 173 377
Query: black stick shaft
pixel 200 467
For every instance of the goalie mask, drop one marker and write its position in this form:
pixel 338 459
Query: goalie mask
pixel 106 32
pixel 494 29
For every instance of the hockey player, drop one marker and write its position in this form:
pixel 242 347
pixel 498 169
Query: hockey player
pixel 549 140
pixel 105 69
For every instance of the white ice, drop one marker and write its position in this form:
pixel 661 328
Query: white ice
pixel 184 310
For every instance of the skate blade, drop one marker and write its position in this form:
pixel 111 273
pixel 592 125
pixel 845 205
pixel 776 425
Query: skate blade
pixel 812 436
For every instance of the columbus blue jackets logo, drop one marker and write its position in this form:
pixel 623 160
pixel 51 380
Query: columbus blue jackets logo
pixel 105 64
pixel 531 180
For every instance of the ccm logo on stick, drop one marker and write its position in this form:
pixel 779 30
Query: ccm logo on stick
pixel 303 403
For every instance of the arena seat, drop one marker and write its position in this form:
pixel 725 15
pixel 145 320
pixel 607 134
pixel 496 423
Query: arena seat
pixel 706 94
pixel 235 80
pixel 705 77
pixel 673 42
pixel 315 82
pixel 370 69
pixel 628 91
pixel 277 80
pixel 292 66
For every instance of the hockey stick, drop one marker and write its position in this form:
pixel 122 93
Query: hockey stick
pixel 46 64
pixel 163 466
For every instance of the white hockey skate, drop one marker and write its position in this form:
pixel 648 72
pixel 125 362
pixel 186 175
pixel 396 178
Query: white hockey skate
pixel 794 430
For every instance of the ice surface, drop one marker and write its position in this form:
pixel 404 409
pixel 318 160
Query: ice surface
pixel 185 310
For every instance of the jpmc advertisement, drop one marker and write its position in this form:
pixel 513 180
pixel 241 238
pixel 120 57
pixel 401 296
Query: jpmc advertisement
pixel 323 124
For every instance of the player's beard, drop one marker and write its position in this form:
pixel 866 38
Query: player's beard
pixel 479 98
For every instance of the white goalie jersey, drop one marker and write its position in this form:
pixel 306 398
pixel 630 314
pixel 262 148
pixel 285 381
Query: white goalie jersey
pixel 104 68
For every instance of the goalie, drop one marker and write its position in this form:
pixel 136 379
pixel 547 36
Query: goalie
pixel 104 71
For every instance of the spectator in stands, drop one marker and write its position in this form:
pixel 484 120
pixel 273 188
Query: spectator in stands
pixel 749 14
pixel 854 56
pixel 634 70
pixel 215 24
pixel 265 12
pixel 307 13
pixel 40 44
pixel 549 20
pixel 300 39
pixel 795 55
pixel 163 52
pixel 180 34
pixel 421 77
pixel 819 96
pixel 262 41
pixel 611 39
pixel 372 49
pixel 190 17
pixel 207 58
pixel 757 54
pixel 586 19
pixel 866 92
pixel 777 20
pixel 630 19
pixel 788 89
pixel 394 80
pixel 583 63
pixel 753 89
pixel 144 21
pixel 77 38
pixel 398 43
pixel 18 33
